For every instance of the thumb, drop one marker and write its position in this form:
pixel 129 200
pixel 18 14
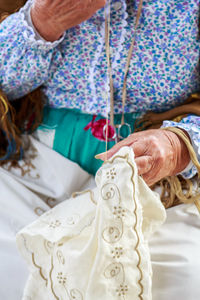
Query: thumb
pixel 103 156
pixel 108 154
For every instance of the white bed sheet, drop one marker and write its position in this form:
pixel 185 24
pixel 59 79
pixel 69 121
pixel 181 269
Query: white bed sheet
pixel 175 247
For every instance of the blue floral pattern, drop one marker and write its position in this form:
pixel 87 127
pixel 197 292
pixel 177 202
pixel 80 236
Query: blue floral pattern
pixel 164 68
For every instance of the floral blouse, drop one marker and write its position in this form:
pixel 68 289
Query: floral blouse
pixel 72 71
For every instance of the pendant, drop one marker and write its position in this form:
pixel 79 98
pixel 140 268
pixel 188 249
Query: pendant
pixel 110 137
pixel 102 130
pixel 119 132
pixel 124 130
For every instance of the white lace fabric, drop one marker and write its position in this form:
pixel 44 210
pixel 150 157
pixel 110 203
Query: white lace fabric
pixel 95 245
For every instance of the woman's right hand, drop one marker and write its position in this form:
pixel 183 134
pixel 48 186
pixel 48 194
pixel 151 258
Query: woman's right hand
pixel 52 18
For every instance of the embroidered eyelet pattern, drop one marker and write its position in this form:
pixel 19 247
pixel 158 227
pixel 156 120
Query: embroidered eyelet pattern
pixel 55 224
pixel 75 295
pixel 112 234
pixel 122 290
pixel 109 191
pixel 72 294
pixel 119 211
pixel 117 252
pixel 72 220
pixel 51 202
pixel 111 174
pixel 60 257
pixel 39 211
pixel 49 246
pixel 61 278
pixel 114 270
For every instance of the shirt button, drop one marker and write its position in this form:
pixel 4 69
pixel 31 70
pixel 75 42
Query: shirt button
pixel 117 5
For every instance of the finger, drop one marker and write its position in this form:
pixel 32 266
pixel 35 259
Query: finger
pixel 139 148
pixel 144 164
pixel 102 156
pixel 113 150
pixel 131 139
pixel 145 177
pixel 150 181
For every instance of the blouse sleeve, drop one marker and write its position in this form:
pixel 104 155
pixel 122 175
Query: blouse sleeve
pixel 191 124
pixel 25 59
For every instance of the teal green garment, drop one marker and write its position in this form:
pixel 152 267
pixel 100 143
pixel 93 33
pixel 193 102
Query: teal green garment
pixel 75 143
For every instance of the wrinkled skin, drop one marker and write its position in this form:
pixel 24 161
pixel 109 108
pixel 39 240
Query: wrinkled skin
pixel 52 18
pixel 158 153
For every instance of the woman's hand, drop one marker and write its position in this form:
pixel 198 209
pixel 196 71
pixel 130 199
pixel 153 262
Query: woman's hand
pixel 52 18
pixel 158 153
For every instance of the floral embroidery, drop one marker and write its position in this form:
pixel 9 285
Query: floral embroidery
pixel 114 231
pixel 119 211
pixel 117 252
pixel 111 174
pixel 61 278
pixel 55 224
pixel 122 290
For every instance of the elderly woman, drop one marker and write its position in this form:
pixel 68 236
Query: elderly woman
pixel 60 46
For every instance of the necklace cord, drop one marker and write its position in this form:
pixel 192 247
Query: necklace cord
pixel 108 56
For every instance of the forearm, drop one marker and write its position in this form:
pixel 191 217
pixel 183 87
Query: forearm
pixel 24 60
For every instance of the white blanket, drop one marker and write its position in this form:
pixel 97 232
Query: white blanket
pixel 174 247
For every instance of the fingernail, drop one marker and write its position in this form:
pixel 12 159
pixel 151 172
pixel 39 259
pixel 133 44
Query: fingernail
pixel 100 155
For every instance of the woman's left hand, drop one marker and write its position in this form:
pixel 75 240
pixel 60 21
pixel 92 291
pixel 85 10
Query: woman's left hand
pixel 158 153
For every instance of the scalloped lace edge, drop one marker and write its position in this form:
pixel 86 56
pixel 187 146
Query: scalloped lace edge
pixel 122 37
